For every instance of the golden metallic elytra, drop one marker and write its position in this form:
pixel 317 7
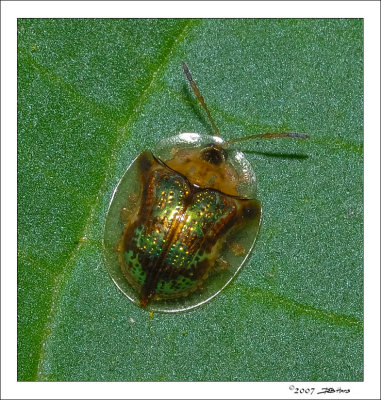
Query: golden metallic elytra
pixel 183 219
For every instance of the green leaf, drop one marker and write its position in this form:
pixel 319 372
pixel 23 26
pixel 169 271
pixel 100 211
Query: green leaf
pixel 93 93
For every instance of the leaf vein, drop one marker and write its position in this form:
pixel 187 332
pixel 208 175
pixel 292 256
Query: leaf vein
pixel 60 280
pixel 50 76
pixel 277 300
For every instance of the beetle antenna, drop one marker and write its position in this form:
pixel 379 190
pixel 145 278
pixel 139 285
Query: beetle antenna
pixel 199 97
pixel 269 136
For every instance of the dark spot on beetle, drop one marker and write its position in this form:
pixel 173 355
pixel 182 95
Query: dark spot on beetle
pixel 213 154
pixel 249 213
pixel 145 163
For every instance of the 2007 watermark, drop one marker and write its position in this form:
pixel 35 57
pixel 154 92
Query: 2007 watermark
pixel 312 390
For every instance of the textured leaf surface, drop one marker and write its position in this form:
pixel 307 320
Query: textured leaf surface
pixel 92 95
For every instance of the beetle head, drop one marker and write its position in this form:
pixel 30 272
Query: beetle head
pixel 213 154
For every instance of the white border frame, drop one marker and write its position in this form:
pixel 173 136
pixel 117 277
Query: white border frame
pixel 369 10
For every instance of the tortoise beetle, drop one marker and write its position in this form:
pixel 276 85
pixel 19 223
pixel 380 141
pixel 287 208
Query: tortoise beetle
pixel 183 220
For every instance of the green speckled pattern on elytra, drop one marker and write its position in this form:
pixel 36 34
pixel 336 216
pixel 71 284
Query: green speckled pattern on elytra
pixel 92 94
pixel 173 236
pixel 135 267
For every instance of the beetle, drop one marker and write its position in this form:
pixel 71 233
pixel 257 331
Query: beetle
pixel 183 219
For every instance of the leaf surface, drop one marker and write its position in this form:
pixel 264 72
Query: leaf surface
pixel 93 93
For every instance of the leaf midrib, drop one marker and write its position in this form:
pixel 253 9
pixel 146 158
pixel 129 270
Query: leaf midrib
pixel 61 279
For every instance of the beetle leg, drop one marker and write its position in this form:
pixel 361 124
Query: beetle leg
pixel 128 210
pixel 125 214
pixel 220 265
pixel 237 249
